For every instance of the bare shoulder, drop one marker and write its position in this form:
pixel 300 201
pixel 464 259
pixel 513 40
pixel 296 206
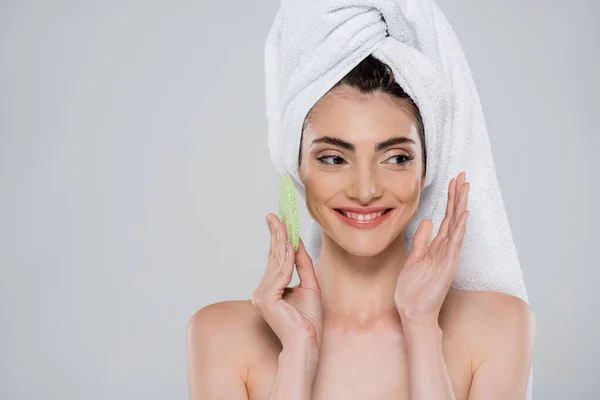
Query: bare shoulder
pixel 222 314
pixel 236 320
pixel 224 317
pixel 226 336
pixel 490 318
pixel 494 309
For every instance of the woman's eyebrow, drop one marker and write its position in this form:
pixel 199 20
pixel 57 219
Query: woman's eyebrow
pixel 393 141
pixel 335 141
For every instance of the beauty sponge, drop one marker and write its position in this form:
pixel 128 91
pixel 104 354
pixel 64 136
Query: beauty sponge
pixel 287 210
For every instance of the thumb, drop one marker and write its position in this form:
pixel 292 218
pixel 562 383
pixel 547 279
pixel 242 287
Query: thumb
pixel 305 268
pixel 420 242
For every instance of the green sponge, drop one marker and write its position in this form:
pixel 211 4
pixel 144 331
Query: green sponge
pixel 287 210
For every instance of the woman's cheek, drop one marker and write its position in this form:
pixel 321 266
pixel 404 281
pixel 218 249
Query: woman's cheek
pixel 320 190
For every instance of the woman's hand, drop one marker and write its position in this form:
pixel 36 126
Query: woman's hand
pixel 294 314
pixel 428 272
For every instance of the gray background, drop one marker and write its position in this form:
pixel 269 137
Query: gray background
pixel 135 179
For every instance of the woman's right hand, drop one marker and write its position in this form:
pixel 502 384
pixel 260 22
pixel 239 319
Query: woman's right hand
pixel 294 314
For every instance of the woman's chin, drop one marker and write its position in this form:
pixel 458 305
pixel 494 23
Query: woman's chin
pixel 364 249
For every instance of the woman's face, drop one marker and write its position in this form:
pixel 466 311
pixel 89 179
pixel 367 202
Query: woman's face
pixel 358 152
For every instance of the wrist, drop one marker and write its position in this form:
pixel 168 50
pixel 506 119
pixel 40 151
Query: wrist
pixel 417 320
pixel 300 350
pixel 296 372
pixel 300 363
pixel 303 343
pixel 421 332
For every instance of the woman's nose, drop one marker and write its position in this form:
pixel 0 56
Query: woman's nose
pixel 364 186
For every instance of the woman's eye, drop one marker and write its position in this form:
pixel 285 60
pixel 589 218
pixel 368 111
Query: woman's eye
pixel 401 159
pixel 338 158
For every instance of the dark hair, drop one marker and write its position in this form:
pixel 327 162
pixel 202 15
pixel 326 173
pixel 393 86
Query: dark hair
pixel 372 75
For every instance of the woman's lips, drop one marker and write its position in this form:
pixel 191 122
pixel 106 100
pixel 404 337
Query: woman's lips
pixel 366 224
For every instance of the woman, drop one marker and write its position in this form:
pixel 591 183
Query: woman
pixel 369 320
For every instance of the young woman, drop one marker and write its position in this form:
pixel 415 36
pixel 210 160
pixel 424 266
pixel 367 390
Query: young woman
pixel 370 320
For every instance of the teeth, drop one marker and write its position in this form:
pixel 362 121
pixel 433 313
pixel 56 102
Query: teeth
pixel 362 217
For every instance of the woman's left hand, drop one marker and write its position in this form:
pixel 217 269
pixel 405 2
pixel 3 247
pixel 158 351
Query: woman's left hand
pixel 429 270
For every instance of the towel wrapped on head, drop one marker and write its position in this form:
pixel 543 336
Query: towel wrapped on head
pixel 313 44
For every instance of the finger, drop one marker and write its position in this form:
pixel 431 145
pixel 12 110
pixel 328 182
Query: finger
pixel 443 231
pixel 275 286
pixel 287 267
pixel 458 207
pixel 455 243
pixel 281 241
pixel 277 276
pixel 420 242
pixel 455 237
pixel 275 279
pixel 436 245
pixel 306 269
pixel 274 262
pixel 275 240
pixel 465 202
pixel 462 177
pixel 458 237
pixel 271 255
pixel 268 296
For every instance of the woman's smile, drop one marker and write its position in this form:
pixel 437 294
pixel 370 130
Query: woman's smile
pixel 365 218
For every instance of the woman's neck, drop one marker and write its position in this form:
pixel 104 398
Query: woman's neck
pixel 358 292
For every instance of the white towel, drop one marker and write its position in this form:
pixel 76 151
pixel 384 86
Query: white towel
pixel 313 44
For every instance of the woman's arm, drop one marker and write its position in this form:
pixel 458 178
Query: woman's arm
pixel 503 330
pixel 215 353
pixel 422 287
pixel 507 333
pixel 219 349
pixel 428 374
pixel 296 372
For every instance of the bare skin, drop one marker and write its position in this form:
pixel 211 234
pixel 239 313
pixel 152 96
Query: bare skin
pixel 353 341
pixel 233 342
